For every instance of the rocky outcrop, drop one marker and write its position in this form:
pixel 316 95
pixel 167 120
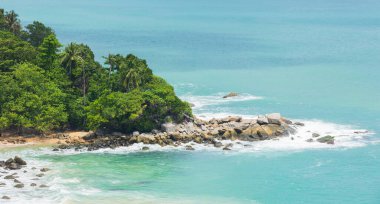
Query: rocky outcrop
pixel 198 131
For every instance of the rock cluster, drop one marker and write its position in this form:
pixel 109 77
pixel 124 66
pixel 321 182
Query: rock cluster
pixel 13 163
pixel 195 130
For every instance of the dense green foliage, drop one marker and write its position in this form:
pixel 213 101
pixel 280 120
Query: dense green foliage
pixel 46 88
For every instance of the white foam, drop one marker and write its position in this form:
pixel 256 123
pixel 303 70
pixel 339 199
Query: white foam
pixel 216 99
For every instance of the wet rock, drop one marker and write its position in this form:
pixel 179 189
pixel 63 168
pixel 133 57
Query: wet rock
pixel 5 198
pixel 13 166
pixel 328 139
pixel 9 161
pixel 19 185
pixel 189 147
pixel 40 175
pixel 19 161
pixel 2 184
pixel 9 177
pixel 231 94
pixel 16 181
pixel 44 169
pixel 43 186
pixel 55 149
pixel 145 148
pixel 34 168
pixel 226 148
pixel 33 184
pixel 315 135
pixel 310 140
pixel 299 124
pixel 218 144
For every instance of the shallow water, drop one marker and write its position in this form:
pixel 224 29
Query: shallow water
pixel 313 61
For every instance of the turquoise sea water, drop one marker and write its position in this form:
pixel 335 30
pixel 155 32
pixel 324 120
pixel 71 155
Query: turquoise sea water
pixel 315 61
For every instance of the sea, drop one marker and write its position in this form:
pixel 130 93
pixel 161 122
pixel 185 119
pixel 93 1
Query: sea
pixel 316 62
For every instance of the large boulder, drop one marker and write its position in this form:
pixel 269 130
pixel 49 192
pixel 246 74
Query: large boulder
pixel 168 127
pixel 274 118
pixel 262 120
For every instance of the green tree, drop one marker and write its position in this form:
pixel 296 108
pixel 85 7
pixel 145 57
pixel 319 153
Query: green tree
pixel 13 50
pixel 29 100
pixel 71 58
pixel 48 51
pixel 36 32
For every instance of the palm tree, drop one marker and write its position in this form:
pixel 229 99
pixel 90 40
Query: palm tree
pixel 132 79
pixel 111 61
pixel 71 58
pixel 12 22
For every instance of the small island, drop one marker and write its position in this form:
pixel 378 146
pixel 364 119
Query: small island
pixel 62 96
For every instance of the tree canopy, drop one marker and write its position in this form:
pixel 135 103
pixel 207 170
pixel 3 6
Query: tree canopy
pixel 46 88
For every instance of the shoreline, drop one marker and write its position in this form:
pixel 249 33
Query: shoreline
pixel 197 131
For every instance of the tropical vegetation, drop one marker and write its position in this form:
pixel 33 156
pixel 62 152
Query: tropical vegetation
pixel 46 87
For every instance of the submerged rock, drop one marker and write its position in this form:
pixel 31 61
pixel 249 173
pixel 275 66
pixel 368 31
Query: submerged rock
pixel 5 198
pixel 231 94
pixel 33 184
pixel 315 135
pixel 43 186
pixel 328 139
pixel 44 169
pixel 189 147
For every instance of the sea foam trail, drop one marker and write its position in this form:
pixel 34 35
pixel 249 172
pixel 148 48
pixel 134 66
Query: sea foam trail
pixel 216 99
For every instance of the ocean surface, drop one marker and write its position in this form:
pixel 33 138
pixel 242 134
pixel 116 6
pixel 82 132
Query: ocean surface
pixel 313 61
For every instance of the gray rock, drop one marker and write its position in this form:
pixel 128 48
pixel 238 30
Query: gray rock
pixel 299 124
pixel 16 181
pixel 14 166
pixel 5 198
pixel 19 185
pixel 40 175
pixel 315 135
pixel 309 140
pixel 226 148
pixel 145 148
pixel 2 184
pixel 44 169
pixel 328 139
pixel 43 186
pixel 274 118
pixel 9 177
pixel 135 133
pixel 261 120
pixel 19 161
pixel 33 184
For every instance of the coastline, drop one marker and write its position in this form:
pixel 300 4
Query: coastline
pixel 218 133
